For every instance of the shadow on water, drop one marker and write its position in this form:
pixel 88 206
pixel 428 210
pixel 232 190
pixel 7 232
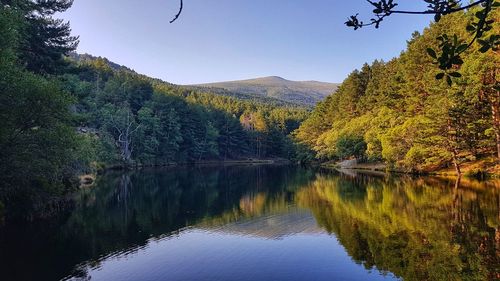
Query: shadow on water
pixel 415 228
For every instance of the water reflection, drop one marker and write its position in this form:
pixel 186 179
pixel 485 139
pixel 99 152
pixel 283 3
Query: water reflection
pixel 264 222
pixel 419 229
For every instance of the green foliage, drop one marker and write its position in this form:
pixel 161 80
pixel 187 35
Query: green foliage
pixel 170 124
pixel 39 145
pixel 171 136
pixel 350 146
pixel 405 116
pixel 479 174
pixel 44 39
pixel 274 90
pixel 65 116
pixel 149 132
pixel 451 47
pixel 408 226
pixel 10 24
pixel 36 139
pixel 40 152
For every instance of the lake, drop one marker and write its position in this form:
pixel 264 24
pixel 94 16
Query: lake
pixel 263 223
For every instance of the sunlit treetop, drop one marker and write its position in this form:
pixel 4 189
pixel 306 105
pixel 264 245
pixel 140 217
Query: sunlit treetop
pixel 448 58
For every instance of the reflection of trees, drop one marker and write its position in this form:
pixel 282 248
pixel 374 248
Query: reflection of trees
pixel 415 229
pixel 253 205
pixel 271 191
pixel 419 229
pixel 128 209
pixel 123 193
pixel 470 229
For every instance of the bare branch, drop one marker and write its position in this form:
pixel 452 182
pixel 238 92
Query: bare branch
pixel 120 138
pixel 384 9
pixel 136 128
pixel 117 128
pixel 179 13
pixel 448 11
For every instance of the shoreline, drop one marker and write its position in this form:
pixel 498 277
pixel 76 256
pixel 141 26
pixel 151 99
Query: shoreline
pixel 483 169
pixel 88 180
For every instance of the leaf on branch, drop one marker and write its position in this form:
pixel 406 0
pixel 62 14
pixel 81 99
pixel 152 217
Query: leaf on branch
pixel 432 53
pixel 449 81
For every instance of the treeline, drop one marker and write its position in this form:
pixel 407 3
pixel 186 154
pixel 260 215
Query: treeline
pixel 131 119
pixel 64 114
pixel 398 112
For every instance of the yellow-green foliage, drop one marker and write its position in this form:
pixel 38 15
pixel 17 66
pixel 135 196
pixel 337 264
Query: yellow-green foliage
pixel 406 116
pixel 408 226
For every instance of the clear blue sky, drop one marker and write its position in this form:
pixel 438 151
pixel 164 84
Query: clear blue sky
pixel 219 40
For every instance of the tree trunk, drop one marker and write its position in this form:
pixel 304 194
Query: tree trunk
pixel 452 144
pixel 492 95
pixel 457 165
pixel 496 123
pixel 202 150
pixel 125 139
pixel 456 202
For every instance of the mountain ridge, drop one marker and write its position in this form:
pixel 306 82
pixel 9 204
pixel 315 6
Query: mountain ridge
pixel 306 93
pixel 269 89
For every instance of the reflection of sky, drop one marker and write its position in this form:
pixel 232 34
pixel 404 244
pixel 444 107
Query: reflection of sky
pixel 196 254
pixel 272 226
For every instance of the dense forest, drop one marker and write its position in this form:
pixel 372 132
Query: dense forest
pixel 399 113
pixel 103 168
pixel 64 114
pixel 132 119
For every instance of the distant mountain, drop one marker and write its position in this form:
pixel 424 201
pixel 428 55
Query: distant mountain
pixel 269 90
pixel 297 92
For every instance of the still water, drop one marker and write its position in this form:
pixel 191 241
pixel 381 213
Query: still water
pixel 263 223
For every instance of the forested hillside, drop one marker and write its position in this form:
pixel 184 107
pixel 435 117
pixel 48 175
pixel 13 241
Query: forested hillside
pixel 64 115
pixel 154 122
pixel 399 113
pixel 302 93
pixel 244 96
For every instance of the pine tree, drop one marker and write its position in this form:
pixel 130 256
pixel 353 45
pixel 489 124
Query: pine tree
pixel 45 40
